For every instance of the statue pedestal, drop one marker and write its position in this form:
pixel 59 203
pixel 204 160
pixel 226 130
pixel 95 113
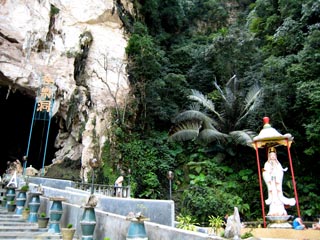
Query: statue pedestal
pixel 56 211
pixel 279 225
pixel 279 221
pixel 34 206
pixel 88 223
pixel 20 201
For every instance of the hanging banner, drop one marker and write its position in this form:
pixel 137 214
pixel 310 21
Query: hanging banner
pixel 42 111
pixel 45 99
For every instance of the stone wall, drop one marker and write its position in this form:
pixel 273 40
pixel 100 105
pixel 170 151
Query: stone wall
pixel 111 213
pixel 158 211
pixel 116 226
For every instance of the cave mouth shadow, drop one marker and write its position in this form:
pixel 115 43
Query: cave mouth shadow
pixel 15 125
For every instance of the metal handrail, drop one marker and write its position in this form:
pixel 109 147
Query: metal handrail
pixel 106 190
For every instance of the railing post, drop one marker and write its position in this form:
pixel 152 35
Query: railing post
pixel 106 190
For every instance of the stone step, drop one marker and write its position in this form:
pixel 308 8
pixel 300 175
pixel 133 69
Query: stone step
pixel 13 220
pixel 29 235
pixel 21 228
pixel 13 226
pixel 17 223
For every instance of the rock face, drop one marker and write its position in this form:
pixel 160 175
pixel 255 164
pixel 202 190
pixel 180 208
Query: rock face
pixel 80 46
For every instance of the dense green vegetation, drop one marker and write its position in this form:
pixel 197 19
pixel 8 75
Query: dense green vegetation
pixel 176 46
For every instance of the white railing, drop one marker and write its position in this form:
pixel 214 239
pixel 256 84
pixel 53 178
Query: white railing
pixel 106 190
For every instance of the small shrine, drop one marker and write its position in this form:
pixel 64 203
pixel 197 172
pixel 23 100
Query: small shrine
pixel 272 173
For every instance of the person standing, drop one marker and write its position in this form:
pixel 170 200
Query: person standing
pixel 118 185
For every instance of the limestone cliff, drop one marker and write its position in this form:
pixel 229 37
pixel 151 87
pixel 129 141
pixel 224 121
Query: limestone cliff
pixel 80 46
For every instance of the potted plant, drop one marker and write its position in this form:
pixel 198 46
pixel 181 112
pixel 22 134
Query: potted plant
pixel 68 232
pixel 24 188
pixel 11 206
pixel 186 222
pixel 216 224
pixel 4 201
pixel 43 220
pixel 136 227
pixel 25 213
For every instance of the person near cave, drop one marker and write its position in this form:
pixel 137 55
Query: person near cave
pixel 118 185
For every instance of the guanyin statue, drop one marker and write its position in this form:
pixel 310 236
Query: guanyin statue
pixel 273 176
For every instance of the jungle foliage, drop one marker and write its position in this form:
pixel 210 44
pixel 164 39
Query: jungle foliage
pixel 176 46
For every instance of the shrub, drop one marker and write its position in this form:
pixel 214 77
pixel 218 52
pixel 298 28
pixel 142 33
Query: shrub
pixel 186 222
pixel 25 188
pixel 43 215
pixel 216 223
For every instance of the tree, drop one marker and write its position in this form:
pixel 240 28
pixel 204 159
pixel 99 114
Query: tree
pixel 185 44
pixel 207 16
pixel 117 66
pixel 145 66
pixel 221 126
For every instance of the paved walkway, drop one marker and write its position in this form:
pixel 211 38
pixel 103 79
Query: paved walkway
pixel 13 226
pixel 283 234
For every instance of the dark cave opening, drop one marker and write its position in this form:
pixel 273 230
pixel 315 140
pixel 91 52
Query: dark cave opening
pixel 15 124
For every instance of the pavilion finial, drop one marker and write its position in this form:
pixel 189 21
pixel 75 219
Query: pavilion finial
pixel 266 120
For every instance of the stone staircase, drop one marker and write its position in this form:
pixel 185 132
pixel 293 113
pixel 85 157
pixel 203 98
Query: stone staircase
pixel 13 226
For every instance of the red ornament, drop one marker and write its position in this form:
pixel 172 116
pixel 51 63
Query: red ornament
pixel 266 120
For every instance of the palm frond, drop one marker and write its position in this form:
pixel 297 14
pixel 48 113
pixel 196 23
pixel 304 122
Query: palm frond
pixel 191 115
pixel 195 106
pixel 231 89
pixel 242 137
pixel 184 135
pixel 203 100
pixel 185 131
pixel 220 90
pixel 233 80
pixel 251 102
pixel 253 94
pixel 208 125
pixel 210 135
pixel 230 98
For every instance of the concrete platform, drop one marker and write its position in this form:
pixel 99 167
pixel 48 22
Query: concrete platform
pixel 283 234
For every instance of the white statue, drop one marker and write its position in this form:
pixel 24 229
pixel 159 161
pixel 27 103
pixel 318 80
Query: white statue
pixel 233 228
pixel 273 176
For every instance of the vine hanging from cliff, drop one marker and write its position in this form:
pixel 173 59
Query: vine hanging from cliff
pixel 85 42
pixel 126 18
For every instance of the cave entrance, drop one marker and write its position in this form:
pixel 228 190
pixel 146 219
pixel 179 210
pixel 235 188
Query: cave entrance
pixel 15 123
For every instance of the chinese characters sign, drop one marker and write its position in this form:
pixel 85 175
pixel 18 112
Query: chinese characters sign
pixel 45 97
